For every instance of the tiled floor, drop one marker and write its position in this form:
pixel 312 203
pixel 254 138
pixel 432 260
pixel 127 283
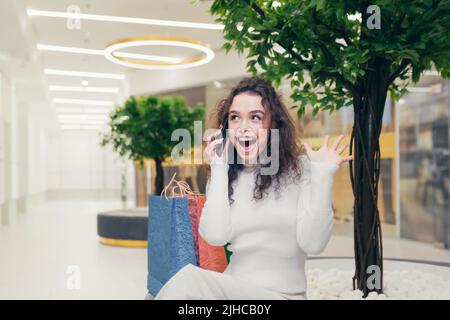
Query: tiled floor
pixel 38 246
pixel 39 242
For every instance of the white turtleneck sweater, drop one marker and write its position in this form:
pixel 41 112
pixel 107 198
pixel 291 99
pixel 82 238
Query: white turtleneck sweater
pixel 270 238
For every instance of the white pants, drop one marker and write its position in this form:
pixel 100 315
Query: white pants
pixel 195 283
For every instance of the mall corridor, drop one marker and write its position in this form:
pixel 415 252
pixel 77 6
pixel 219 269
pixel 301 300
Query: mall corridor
pixel 72 174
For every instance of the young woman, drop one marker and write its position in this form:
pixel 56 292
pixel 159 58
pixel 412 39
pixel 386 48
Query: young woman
pixel 272 221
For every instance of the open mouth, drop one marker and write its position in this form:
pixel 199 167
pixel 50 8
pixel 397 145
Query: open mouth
pixel 247 143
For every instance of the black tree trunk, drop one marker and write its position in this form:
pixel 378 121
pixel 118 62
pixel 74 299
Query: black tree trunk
pixel 159 180
pixel 368 106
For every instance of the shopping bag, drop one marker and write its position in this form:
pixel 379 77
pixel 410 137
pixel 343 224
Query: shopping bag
pixel 182 188
pixel 170 240
pixel 209 257
pixel 193 204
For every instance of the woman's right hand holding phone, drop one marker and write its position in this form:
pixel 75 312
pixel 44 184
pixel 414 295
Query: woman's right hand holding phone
pixel 213 141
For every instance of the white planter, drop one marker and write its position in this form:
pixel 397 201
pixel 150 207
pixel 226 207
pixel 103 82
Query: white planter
pixel 332 279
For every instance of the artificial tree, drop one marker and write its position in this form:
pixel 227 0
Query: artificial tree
pixel 344 53
pixel 142 129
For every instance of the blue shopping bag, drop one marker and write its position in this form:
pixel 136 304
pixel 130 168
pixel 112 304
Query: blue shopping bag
pixel 170 240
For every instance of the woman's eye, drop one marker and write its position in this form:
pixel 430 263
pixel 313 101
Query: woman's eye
pixel 233 117
pixel 257 118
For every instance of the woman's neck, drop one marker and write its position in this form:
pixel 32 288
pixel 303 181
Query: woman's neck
pixel 249 167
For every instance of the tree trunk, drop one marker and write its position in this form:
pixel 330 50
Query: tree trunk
pixel 143 172
pixel 365 171
pixel 159 181
pixel 140 184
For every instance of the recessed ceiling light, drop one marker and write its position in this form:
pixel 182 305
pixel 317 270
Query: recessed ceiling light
pixel 146 57
pixel 72 73
pixel 82 116
pixel 96 17
pixel 83 110
pixel 90 127
pixel 81 121
pixel 85 83
pixel 46 47
pixel 83 89
pixel 205 56
pixel 68 110
pixel 81 127
pixel 83 102
pixel 97 110
pixel 70 127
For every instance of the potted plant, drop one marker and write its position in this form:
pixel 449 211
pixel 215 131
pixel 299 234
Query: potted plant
pixel 141 129
pixel 344 53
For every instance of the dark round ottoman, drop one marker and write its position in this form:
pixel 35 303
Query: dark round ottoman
pixel 123 228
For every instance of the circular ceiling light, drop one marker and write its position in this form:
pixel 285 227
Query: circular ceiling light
pixel 141 61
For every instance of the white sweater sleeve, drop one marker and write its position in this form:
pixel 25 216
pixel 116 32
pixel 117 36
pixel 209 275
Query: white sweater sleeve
pixel 314 208
pixel 215 220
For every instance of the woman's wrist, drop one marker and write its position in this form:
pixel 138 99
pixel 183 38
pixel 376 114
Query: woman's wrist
pixel 322 185
pixel 331 167
pixel 219 169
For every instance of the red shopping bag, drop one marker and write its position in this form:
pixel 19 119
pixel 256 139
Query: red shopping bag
pixel 209 257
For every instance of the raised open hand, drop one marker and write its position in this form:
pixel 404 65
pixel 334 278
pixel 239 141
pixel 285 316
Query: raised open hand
pixel 327 154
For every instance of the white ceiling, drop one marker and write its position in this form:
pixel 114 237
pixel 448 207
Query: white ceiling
pixel 24 64
pixel 96 35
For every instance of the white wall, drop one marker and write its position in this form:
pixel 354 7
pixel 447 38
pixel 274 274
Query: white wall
pixel 37 148
pixel 2 143
pixel 36 156
pixel 22 144
pixel 6 133
pixel 22 149
pixel 76 161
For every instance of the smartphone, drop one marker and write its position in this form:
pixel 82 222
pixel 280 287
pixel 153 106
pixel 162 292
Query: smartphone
pixel 223 134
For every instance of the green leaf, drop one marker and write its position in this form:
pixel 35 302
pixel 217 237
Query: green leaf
pixel 321 4
pixel 227 47
pixel 142 128
pixel 316 67
pixel 405 23
pixel 301 112
pixel 315 111
pixel 421 36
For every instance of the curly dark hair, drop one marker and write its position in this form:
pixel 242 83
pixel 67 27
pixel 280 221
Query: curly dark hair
pixel 289 148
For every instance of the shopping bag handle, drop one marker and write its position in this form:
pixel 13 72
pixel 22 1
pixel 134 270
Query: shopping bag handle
pixel 182 186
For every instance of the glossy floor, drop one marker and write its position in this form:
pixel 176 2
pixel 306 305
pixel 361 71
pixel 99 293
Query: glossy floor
pixel 48 240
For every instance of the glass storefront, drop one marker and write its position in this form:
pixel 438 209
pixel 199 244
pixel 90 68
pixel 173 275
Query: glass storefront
pixel 425 162
pixel 423 149
pixel 312 129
